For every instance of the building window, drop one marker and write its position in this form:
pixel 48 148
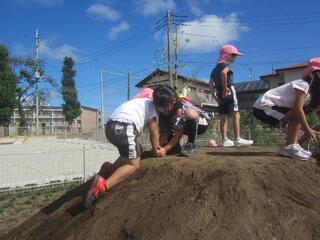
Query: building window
pixel 79 121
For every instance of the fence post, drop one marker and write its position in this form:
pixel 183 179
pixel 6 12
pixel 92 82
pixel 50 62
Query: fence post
pixel 249 134
pixel 84 162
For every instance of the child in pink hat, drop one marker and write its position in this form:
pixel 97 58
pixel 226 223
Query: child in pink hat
pixel 221 83
pixel 288 103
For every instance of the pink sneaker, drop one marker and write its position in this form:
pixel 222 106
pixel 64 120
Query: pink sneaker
pixel 98 189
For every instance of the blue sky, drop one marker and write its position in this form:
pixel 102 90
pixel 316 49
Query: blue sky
pixel 116 35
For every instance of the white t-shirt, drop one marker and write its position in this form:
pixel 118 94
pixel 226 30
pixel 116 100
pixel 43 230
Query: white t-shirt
pixel 283 96
pixel 137 111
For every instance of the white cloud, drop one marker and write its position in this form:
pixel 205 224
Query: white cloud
pixel 115 31
pixel 194 8
pixel 208 33
pixel 48 50
pixel 103 12
pixel 46 3
pixel 153 7
pixel 57 52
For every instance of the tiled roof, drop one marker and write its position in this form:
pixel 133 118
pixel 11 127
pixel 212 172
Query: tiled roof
pixel 251 86
pixel 162 72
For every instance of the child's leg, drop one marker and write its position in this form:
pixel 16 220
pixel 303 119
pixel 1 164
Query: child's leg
pixel 223 125
pixel 190 130
pixel 236 125
pixel 123 172
pixel 191 126
pixel 292 131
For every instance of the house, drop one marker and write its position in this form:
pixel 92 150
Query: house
pixel 249 92
pixel 196 90
pixel 284 75
pixel 51 119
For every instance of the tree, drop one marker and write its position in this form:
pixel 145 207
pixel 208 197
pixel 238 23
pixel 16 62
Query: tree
pixel 25 68
pixel 8 87
pixel 71 106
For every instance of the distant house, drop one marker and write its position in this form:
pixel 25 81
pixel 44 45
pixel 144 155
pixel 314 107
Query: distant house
pixel 51 119
pixel 284 75
pixel 249 92
pixel 198 91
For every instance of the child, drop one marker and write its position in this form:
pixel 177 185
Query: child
pixel 180 118
pixel 123 130
pixel 221 83
pixel 286 103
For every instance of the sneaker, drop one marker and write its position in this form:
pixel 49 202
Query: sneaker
pixel 306 152
pixel 227 143
pixel 243 142
pixel 98 189
pixel 293 151
pixel 189 149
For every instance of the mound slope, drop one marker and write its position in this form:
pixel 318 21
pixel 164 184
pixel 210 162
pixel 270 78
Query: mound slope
pixel 236 193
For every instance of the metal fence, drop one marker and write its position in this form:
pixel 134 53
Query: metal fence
pixel 72 156
pixel 44 162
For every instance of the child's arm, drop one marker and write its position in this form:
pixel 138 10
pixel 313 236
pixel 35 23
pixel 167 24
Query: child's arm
pixel 154 138
pixel 212 87
pixel 301 117
pixel 224 77
pixel 174 140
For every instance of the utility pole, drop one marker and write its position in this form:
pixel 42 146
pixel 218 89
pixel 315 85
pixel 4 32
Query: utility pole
pixel 37 76
pixel 128 96
pixel 176 58
pixel 101 97
pixel 169 47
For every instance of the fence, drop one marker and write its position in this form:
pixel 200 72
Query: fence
pixel 43 162
pixel 59 132
pixel 72 156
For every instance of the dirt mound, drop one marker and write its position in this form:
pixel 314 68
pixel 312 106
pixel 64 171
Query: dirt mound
pixel 236 193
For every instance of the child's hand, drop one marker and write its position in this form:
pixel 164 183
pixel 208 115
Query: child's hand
pixel 311 136
pixel 160 152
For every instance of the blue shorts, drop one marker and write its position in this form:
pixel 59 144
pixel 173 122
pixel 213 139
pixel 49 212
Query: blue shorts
pixel 229 104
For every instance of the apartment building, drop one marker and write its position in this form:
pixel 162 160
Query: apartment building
pixel 51 119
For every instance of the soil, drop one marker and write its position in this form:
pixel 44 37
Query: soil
pixel 219 193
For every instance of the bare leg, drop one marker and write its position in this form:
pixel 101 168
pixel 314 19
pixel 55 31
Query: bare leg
pixel 123 172
pixel 292 131
pixel 223 125
pixel 236 125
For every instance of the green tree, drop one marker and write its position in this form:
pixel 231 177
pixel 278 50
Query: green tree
pixel 25 68
pixel 8 87
pixel 71 106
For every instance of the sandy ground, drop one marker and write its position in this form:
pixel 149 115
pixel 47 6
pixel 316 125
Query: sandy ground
pixel 235 193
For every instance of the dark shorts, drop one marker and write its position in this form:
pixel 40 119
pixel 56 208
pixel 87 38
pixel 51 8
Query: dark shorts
pixel 264 117
pixel 229 104
pixel 165 126
pixel 125 137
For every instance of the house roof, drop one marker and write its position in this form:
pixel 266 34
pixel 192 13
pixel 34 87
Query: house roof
pixel 293 66
pixel 289 67
pixel 251 86
pixel 162 72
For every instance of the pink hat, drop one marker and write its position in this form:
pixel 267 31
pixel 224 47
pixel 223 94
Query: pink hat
pixel 145 93
pixel 225 51
pixel 212 143
pixel 313 64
